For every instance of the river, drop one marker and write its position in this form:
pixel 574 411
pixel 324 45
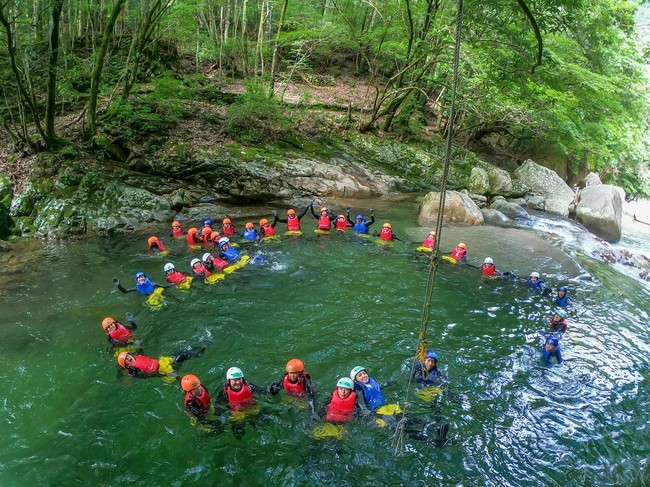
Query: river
pixel 71 417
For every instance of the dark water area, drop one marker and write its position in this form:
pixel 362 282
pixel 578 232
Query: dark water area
pixel 70 417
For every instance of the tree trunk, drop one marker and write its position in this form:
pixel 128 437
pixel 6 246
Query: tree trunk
pixel 274 60
pixel 99 66
pixel 25 100
pixel 50 108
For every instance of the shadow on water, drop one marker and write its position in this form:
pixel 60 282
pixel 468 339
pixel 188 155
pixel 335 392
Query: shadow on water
pixel 69 416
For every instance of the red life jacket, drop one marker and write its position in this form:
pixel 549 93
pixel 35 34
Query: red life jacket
pixel 294 388
pixel 268 230
pixel 220 263
pixel 228 229
pixel 144 364
pixel 341 224
pixel 240 400
pixel 429 242
pixel 488 270
pixel 386 233
pixel 177 233
pixel 201 270
pixel 293 224
pixel 121 334
pixel 341 410
pixel 158 244
pixel 458 254
pixel 192 239
pixel 324 223
pixel 176 277
pixel 203 400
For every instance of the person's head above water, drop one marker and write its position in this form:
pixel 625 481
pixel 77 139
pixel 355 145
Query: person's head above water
pixel 431 359
pixel 552 343
pixel 235 378
pixel 124 359
pixel 562 290
pixel 294 367
pixel 488 261
pixel 359 374
pixel 140 276
pixel 169 267
pixel 534 276
pixel 224 243
pixel 195 263
pixel 344 387
pixel 191 383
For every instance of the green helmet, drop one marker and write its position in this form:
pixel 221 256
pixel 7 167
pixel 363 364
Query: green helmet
pixel 234 373
pixel 561 312
pixel 345 382
pixel 355 371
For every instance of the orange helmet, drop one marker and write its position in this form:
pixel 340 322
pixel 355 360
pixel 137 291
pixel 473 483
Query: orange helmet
pixel 291 211
pixel 206 231
pixel 106 322
pixel 249 225
pixel 152 240
pixel 189 382
pixel 387 225
pixel 263 222
pixel 324 208
pixel 226 220
pixel 193 231
pixel 176 223
pixel 295 365
pixel 121 358
pixel 342 216
pixel 461 245
pixel 214 235
pixel 432 233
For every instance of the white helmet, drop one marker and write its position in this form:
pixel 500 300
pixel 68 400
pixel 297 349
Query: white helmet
pixel 488 260
pixel 195 261
pixel 234 373
pixel 345 382
pixel 355 371
pixel 206 257
pixel 224 240
pixel 534 274
pixel 169 267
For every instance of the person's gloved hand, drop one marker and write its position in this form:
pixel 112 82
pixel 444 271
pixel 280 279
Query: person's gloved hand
pixel 274 213
pixel 372 212
pixel 116 281
pixel 130 317
pixel 348 209
pixel 275 388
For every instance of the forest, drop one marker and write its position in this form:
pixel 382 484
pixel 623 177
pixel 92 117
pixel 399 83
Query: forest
pixel 562 80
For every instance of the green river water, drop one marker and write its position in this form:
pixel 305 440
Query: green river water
pixel 70 417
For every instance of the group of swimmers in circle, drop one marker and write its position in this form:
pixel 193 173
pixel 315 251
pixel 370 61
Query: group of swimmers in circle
pixel 357 395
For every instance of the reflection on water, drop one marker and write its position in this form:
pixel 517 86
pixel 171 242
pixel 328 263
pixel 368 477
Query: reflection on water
pixel 69 417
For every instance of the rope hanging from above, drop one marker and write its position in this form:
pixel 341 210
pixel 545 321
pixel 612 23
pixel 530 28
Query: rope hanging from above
pixel 398 440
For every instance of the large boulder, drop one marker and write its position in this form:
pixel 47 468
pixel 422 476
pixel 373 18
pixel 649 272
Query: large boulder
pixel 600 210
pixel 591 179
pixel 495 217
pixel 459 208
pixel 545 182
pixel 513 210
pixel 479 181
pixel 500 181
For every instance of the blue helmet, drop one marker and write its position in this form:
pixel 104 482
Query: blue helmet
pixel 359 217
pixel 563 288
pixel 138 274
pixel 432 355
pixel 553 340
pixel 207 222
